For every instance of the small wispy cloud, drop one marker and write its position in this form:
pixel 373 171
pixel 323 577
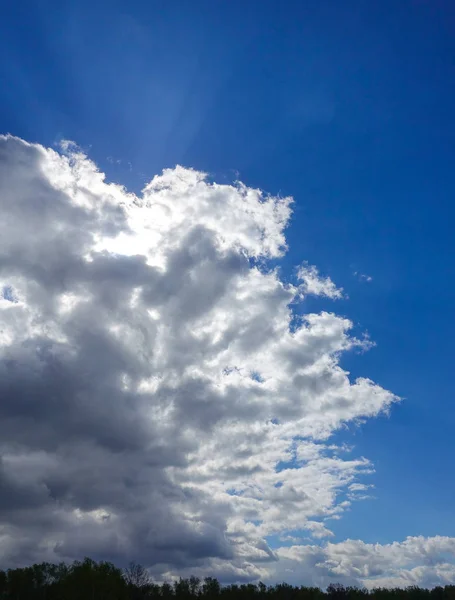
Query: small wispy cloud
pixel 363 276
pixel 315 284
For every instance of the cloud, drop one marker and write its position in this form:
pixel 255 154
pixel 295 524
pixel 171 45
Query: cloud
pixel 415 561
pixel 363 277
pixel 314 284
pixel 157 405
pixel 318 529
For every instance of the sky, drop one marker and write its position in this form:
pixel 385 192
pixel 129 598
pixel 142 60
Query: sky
pixel 226 263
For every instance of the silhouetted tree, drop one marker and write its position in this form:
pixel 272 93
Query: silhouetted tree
pixel 89 580
pixel 138 581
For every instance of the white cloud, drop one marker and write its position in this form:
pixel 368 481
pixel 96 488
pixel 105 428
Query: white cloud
pixel 314 284
pixel 363 277
pixel 157 405
pixel 318 530
pixel 415 561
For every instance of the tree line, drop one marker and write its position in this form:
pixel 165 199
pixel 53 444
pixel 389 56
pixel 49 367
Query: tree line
pixel 91 580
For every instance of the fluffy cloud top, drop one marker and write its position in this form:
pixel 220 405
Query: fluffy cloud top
pixel 156 403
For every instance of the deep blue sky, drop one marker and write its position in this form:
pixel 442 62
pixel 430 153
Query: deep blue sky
pixel 348 106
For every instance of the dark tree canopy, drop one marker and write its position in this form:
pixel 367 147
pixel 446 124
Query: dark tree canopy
pixel 90 580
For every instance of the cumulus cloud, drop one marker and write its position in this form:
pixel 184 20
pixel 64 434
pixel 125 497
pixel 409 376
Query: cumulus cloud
pixel 158 402
pixel 415 561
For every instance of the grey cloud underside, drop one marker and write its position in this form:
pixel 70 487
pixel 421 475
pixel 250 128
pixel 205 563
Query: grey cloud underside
pixel 151 384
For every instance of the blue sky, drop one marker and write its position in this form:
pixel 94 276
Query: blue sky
pixel 348 107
